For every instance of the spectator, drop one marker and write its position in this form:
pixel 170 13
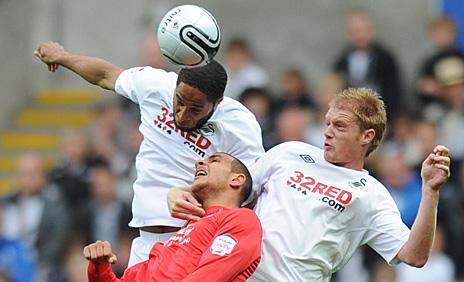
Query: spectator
pixel 17 262
pixel 367 63
pixel 241 69
pixel 126 170
pixel 403 183
pixel 71 172
pixel 261 104
pixel 36 214
pixel 295 90
pixel 442 33
pixel 104 217
pixel 23 208
pixel 328 86
pixel 450 74
pixel 105 138
pixel 292 124
pixel 450 215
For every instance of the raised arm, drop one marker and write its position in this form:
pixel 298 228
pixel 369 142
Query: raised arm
pixel 94 70
pixel 100 257
pixel 435 171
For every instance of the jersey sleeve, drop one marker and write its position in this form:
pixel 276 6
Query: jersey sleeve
pixel 260 172
pixel 243 139
pixel 102 272
pixel 137 83
pixel 387 233
pixel 235 251
pixel 97 272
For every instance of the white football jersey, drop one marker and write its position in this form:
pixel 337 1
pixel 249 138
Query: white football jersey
pixel 315 214
pixel 167 155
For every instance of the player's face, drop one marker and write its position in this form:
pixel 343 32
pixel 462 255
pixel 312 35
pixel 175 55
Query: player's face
pixel 191 107
pixel 343 143
pixel 212 174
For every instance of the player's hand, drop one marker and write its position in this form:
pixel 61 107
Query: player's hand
pixel 100 252
pixel 182 204
pixel 50 53
pixel 436 168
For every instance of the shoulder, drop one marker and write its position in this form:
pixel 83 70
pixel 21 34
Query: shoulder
pixel 379 194
pixel 243 217
pixel 148 71
pixel 295 146
pixel 230 108
pixel 148 76
pixel 232 115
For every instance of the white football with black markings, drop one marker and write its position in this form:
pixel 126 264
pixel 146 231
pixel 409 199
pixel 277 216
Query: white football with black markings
pixel 189 35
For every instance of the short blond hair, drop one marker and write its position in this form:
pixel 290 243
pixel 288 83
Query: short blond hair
pixel 368 108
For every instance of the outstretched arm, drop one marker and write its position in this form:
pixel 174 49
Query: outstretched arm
pixel 435 171
pixel 94 70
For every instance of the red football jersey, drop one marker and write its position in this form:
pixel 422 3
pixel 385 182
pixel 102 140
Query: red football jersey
pixel 224 245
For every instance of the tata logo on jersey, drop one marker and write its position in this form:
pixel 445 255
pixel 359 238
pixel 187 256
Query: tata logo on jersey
pixel 333 196
pixel 193 139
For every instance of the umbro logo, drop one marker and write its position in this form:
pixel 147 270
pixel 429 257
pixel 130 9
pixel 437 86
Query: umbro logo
pixel 307 159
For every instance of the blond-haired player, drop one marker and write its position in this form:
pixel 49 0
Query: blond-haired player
pixel 318 206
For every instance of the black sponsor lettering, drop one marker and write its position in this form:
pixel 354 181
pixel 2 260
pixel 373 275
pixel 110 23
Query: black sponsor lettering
pixel 195 149
pixel 334 204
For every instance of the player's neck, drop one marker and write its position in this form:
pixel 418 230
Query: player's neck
pixel 355 164
pixel 225 201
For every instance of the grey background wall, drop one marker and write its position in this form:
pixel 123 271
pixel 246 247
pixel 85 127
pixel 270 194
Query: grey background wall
pixel 303 33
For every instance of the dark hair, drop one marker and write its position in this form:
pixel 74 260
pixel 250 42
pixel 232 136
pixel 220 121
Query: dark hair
pixel 239 167
pixel 239 43
pixel 253 92
pixel 211 79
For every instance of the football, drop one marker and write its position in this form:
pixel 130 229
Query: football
pixel 189 35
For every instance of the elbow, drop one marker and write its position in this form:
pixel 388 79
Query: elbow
pixel 418 262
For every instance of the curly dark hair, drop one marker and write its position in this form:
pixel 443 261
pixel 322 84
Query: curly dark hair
pixel 211 79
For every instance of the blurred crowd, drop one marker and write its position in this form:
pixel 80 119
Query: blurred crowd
pixel 52 214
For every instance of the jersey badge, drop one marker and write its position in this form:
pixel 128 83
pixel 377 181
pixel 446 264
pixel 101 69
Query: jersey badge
pixel 358 184
pixel 223 245
pixel 207 129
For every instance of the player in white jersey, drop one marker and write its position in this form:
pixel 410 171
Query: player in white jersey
pixel 183 118
pixel 318 206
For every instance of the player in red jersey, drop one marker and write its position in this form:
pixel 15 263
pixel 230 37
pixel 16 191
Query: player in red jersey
pixel 224 245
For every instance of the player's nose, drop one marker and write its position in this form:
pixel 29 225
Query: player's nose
pixel 199 162
pixel 328 132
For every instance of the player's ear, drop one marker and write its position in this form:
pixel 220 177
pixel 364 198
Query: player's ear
pixel 237 180
pixel 368 136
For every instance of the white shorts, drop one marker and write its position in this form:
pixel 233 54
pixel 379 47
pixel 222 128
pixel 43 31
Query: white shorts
pixel 141 246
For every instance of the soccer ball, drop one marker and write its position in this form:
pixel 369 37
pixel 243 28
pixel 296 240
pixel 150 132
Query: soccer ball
pixel 189 35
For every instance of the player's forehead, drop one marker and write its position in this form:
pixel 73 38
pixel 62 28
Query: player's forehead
pixel 340 113
pixel 221 156
pixel 190 94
